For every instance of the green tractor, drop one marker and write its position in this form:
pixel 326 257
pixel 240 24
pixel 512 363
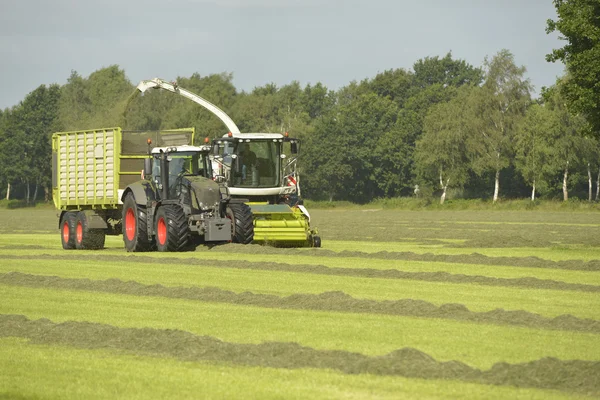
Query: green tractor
pixel 178 206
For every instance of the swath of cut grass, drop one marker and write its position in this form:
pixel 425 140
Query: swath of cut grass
pixel 575 375
pixel 69 373
pixel 365 333
pixel 329 301
pixel 549 303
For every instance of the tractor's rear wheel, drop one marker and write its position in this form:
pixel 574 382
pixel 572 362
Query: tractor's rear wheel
pixel 242 223
pixel 67 230
pixel 86 238
pixel 171 228
pixel 135 227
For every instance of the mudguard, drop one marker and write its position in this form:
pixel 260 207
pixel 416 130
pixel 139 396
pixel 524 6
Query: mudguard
pixel 143 192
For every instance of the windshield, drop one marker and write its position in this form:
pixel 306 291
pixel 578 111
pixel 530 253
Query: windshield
pixel 183 163
pixel 254 163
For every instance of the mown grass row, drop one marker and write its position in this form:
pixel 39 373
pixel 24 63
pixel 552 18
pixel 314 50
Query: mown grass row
pixel 546 373
pixel 233 276
pixel 66 372
pixel 478 345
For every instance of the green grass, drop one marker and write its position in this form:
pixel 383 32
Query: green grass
pixel 549 303
pixel 363 333
pixel 66 373
pixel 552 232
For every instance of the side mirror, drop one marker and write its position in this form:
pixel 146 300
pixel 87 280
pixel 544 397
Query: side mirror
pixel 147 167
pixel 294 147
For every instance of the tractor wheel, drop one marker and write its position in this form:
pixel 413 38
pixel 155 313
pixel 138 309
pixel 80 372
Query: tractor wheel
pixel 242 223
pixel 67 230
pixel 135 227
pixel 86 238
pixel 171 228
pixel 316 241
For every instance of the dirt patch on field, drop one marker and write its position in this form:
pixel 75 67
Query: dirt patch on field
pixel 439 276
pixel 546 373
pixel 328 301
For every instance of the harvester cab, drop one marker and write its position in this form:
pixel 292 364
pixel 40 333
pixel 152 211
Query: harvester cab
pixel 261 169
pixel 260 165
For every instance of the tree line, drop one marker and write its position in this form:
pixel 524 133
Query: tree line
pixel 442 128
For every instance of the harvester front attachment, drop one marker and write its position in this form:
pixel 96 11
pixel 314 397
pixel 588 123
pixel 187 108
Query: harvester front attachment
pixel 283 226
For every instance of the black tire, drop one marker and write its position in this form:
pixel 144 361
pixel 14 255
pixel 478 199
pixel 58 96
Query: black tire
pixel 316 241
pixel 171 229
pixel 135 227
pixel 67 230
pixel 86 238
pixel 242 223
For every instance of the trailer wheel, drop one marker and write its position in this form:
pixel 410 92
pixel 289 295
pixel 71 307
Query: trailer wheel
pixel 86 238
pixel 242 222
pixel 135 227
pixel 171 228
pixel 67 230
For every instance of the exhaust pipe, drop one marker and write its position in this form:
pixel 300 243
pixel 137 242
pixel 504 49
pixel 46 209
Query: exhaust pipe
pixel 164 175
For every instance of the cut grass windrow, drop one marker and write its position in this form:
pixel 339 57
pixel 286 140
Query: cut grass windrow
pixel 473 258
pixel 546 373
pixel 328 301
pixel 439 276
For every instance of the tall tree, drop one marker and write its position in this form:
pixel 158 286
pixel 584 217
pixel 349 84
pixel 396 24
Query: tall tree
pixel 498 105
pixel 445 71
pixel 341 149
pixel 534 141
pixel 441 153
pixel 579 23
pixel 569 151
pixel 76 107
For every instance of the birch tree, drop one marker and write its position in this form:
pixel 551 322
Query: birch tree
pixel 533 147
pixel 498 106
pixel 441 152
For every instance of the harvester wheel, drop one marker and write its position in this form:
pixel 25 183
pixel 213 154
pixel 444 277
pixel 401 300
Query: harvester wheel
pixel 242 223
pixel 67 230
pixel 171 228
pixel 86 238
pixel 135 233
pixel 316 241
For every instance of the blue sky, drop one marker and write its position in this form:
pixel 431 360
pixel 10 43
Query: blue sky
pixel 262 41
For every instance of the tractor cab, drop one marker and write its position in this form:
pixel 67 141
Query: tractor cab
pixel 176 170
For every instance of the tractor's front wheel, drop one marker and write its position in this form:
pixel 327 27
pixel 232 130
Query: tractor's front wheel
pixel 135 227
pixel 67 230
pixel 242 223
pixel 171 228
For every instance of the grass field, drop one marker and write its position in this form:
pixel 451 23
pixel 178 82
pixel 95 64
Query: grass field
pixel 397 304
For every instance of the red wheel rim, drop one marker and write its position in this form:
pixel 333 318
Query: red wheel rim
pixel 79 232
pixel 130 224
pixel 65 232
pixel 161 231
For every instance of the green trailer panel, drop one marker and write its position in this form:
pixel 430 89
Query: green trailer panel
pixel 91 168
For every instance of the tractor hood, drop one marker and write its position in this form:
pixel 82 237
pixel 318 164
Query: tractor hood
pixel 206 193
